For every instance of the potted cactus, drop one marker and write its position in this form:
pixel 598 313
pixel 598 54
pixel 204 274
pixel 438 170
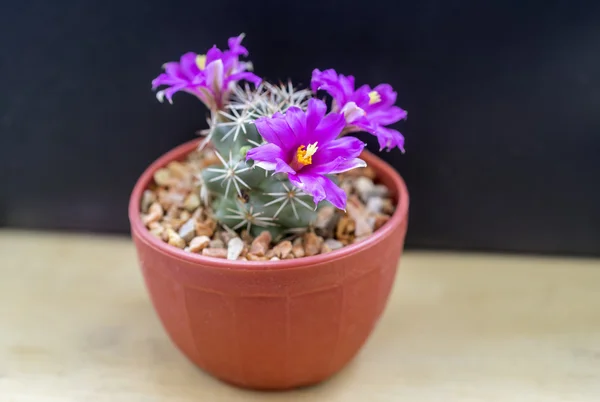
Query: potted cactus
pixel 269 245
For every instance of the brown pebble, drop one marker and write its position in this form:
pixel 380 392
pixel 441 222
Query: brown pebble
pixel 260 245
pixel 162 177
pixel 252 257
pixel 177 169
pixel 312 244
pixel 345 230
pixel 199 243
pixel 191 202
pixel 218 243
pixel 325 248
pixel 298 250
pixel 246 237
pixel 156 229
pixel 380 220
pixel 388 206
pixel 148 197
pixel 334 244
pixel 174 239
pixel 283 249
pixel 155 213
pixel 215 252
pixel 205 228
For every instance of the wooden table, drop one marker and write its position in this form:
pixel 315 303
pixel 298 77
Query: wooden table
pixel 76 325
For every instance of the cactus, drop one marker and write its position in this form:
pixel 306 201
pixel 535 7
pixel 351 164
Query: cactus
pixel 242 195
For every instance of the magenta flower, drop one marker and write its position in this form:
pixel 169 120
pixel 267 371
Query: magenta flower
pixel 363 108
pixel 303 145
pixel 210 77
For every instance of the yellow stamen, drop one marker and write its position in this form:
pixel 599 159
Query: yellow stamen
pixel 304 154
pixel 374 97
pixel 201 61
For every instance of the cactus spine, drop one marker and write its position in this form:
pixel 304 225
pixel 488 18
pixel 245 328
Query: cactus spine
pixel 244 196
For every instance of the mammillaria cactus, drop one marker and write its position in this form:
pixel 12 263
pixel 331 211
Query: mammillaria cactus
pixel 279 148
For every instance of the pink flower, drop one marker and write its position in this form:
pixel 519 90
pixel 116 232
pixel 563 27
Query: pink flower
pixel 210 77
pixel 363 108
pixel 303 145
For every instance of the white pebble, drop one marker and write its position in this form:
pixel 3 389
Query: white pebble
pixel 188 230
pixel 234 248
pixel 334 244
pixel 375 204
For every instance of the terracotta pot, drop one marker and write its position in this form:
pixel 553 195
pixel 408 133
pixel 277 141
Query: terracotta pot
pixel 275 324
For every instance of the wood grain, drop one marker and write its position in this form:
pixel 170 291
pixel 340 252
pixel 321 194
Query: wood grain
pixel 76 325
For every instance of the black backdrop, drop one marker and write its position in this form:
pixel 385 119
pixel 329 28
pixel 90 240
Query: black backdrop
pixel 503 97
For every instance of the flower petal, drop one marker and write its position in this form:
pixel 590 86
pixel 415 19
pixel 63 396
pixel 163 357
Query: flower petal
pixel 314 113
pixel 333 193
pixel 296 119
pixel 338 165
pixel 250 77
pixel 235 45
pixel 387 115
pixel 188 65
pixel 214 75
pixel 276 130
pixel 345 147
pixel 310 185
pixel 282 167
pixel 389 138
pixel 268 153
pixel 213 54
pixel 329 128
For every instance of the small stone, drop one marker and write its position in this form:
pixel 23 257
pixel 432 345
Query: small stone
pixel 260 245
pixel 174 239
pixel 325 216
pixel 380 220
pixel 191 202
pixel 283 249
pixel 275 259
pixel 173 212
pixel 375 204
pixel 184 215
pixel 344 231
pixel 252 257
pixel 298 250
pixel 363 226
pixel 234 248
pixel 205 228
pixel 270 254
pixel 242 259
pixel 162 177
pixel 148 197
pixel 312 244
pixel 215 252
pixel 334 244
pixel 363 186
pixel 188 230
pixel 247 237
pixel 218 243
pixel 388 206
pixel 156 229
pixel 325 248
pixel 199 243
pixel 226 236
pixel 379 190
pixel 155 213
pixel 177 169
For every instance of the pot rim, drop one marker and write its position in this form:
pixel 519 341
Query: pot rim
pixel 139 229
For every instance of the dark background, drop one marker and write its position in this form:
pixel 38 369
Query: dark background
pixel 503 97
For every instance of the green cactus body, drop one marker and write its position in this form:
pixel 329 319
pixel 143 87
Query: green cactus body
pixel 245 196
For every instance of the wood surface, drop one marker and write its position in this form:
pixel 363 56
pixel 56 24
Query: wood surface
pixel 76 325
